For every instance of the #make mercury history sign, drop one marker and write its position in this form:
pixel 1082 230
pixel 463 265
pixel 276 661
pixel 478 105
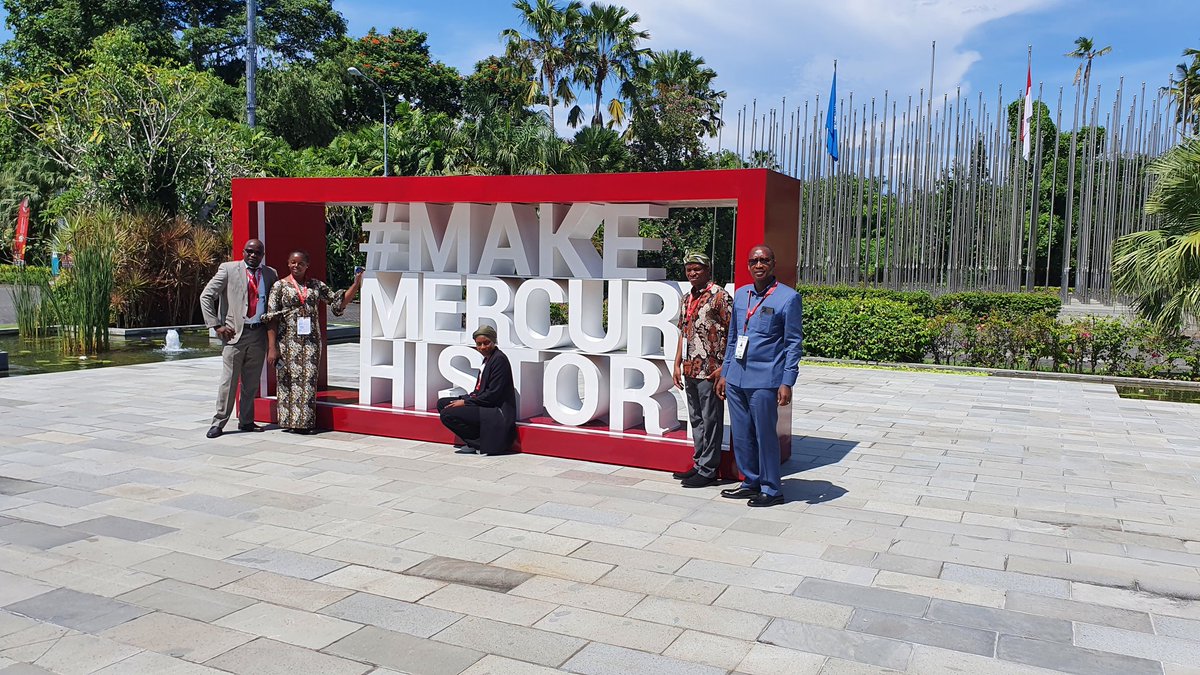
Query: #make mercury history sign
pixel 446 255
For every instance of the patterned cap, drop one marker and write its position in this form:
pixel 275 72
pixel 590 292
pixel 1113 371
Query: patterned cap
pixel 697 258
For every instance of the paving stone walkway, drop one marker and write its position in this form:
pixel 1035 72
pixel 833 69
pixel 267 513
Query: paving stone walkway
pixel 935 524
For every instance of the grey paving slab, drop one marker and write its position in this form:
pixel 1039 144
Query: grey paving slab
pixel 178 636
pixel 288 563
pixel 880 599
pixel 517 642
pixel 868 649
pixel 924 632
pixel 1059 657
pixel 600 659
pixel 404 652
pixel 186 600
pixel 38 535
pixel 195 569
pixel 1009 581
pixel 80 611
pixel 1000 620
pixel 66 496
pixel 1160 647
pixel 393 615
pixel 268 657
pixel 123 528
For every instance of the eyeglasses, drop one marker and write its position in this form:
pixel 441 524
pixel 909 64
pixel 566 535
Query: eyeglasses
pixel 764 261
pixel 252 250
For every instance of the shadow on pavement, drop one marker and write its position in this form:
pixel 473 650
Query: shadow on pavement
pixel 811 452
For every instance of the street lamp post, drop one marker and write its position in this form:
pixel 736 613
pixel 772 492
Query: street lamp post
pixel 358 73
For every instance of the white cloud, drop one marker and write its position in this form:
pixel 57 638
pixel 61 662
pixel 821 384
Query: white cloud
pixel 777 48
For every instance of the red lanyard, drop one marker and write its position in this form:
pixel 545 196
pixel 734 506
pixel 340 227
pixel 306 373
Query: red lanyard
pixel 479 380
pixel 750 311
pixel 302 293
pixel 693 306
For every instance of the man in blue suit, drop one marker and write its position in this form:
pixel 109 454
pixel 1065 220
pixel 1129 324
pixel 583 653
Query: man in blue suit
pixel 762 360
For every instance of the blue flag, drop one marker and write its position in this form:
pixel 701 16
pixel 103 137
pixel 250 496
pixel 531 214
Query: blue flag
pixel 831 141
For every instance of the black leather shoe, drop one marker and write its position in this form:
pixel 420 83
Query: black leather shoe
pixel 304 432
pixel 465 451
pixel 680 475
pixel 740 493
pixel 213 432
pixel 250 427
pixel 698 481
pixel 765 500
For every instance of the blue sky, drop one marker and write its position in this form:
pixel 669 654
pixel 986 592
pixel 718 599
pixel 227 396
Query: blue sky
pixel 770 49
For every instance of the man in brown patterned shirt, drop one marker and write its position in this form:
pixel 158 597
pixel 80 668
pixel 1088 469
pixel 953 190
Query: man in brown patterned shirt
pixel 703 329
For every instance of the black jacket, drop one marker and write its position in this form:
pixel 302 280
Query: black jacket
pixel 498 422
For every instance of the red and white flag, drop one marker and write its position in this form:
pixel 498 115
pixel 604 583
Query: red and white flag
pixel 22 231
pixel 1027 114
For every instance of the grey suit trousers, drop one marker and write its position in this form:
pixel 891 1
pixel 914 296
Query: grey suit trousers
pixel 706 412
pixel 242 363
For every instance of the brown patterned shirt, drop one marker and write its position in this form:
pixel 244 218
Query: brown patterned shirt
pixel 704 331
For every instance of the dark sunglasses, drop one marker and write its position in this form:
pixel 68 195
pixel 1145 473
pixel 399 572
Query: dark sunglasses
pixel 252 250
pixel 765 261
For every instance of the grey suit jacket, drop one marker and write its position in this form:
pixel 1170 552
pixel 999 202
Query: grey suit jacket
pixel 224 298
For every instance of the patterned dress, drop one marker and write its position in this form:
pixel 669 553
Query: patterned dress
pixel 299 355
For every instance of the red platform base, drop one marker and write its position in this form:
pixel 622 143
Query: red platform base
pixel 339 410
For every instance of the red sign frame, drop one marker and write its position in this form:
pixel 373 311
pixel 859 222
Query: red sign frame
pixel 289 213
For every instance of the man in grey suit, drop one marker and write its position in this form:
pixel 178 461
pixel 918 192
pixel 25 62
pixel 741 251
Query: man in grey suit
pixel 233 304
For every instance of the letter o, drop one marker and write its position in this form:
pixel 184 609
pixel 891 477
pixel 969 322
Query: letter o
pixel 561 383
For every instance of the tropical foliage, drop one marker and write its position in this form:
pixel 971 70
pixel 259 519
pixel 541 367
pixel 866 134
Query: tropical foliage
pixel 1161 268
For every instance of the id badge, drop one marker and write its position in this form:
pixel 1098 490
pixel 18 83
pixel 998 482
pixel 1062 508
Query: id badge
pixel 684 353
pixel 743 341
pixel 304 325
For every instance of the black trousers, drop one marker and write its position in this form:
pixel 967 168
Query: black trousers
pixel 462 420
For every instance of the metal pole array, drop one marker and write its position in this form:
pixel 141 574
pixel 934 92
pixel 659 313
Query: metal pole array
pixel 941 198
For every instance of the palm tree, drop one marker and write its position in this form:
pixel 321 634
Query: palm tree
pixel 601 150
pixel 548 46
pixel 1086 51
pixel 675 69
pixel 1161 268
pixel 610 52
pixel 1185 89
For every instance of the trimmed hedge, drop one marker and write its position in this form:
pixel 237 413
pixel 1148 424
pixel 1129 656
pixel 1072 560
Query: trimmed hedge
pixel 991 330
pixel 975 304
pixel 1011 305
pixel 921 301
pixel 864 329
pixel 9 274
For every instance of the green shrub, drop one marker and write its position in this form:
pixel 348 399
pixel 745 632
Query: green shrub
pixel 10 274
pixel 864 329
pixel 979 304
pixel 920 301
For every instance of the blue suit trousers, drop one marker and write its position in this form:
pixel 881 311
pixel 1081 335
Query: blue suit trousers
pixel 753 414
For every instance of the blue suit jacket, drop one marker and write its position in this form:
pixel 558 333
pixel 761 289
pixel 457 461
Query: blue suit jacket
pixel 776 339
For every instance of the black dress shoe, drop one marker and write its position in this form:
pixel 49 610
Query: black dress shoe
pixel 213 432
pixel 250 427
pixel 698 481
pixel 765 500
pixel 680 475
pixel 304 432
pixel 740 493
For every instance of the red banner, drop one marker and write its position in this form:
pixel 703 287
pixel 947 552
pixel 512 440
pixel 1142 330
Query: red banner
pixel 22 231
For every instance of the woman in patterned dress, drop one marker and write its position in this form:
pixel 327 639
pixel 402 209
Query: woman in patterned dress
pixel 294 340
